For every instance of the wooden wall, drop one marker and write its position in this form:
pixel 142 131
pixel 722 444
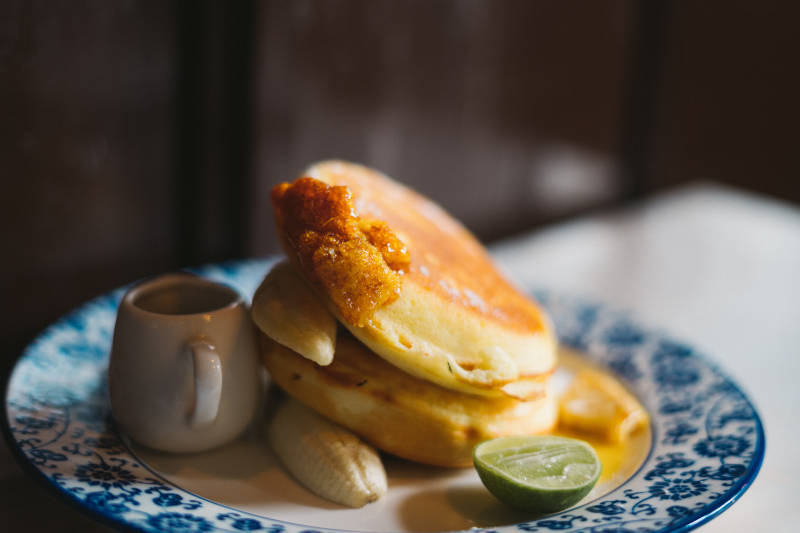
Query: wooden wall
pixel 729 97
pixel 142 136
pixel 87 154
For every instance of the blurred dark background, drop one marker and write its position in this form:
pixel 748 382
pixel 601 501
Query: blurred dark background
pixel 138 137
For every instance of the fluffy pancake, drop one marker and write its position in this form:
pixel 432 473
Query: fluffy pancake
pixel 399 413
pixel 411 283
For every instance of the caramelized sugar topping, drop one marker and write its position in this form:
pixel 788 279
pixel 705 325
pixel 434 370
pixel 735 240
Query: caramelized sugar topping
pixel 358 262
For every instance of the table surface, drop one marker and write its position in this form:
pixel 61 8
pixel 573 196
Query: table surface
pixel 713 266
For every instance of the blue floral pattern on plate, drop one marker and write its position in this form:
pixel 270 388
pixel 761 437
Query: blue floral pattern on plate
pixel 708 441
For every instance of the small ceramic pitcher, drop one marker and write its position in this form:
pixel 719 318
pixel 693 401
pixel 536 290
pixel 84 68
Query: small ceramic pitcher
pixel 184 373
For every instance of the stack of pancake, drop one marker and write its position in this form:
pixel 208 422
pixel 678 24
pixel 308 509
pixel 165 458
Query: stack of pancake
pixel 438 351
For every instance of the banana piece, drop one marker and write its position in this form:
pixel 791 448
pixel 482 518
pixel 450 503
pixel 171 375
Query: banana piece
pixel 289 312
pixel 326 458
pixel 598 404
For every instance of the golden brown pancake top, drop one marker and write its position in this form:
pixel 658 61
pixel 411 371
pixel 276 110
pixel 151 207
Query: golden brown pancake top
pixel 357 236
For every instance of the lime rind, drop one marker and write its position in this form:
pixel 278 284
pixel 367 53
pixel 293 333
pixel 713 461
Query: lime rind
pixel 537 473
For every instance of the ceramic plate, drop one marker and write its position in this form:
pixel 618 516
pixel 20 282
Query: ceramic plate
pixel 704 447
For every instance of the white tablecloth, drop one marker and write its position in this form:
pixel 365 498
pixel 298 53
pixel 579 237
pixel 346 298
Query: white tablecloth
pixel 719 269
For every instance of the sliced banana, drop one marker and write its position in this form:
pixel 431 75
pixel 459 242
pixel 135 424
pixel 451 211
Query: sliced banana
pixel 598 404
pixel 288 311
pixel 326 458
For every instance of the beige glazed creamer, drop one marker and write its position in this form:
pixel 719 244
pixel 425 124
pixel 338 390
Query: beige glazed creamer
pixel 183 373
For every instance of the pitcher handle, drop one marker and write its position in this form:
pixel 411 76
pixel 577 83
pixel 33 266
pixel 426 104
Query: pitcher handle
pixel 207 382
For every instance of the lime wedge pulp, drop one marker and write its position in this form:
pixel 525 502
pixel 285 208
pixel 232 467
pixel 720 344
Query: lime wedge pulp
pixel 540 473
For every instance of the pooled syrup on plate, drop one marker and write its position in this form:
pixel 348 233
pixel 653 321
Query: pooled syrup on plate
pixel 620 459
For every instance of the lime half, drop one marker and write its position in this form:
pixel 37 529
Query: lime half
pixel 542 474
